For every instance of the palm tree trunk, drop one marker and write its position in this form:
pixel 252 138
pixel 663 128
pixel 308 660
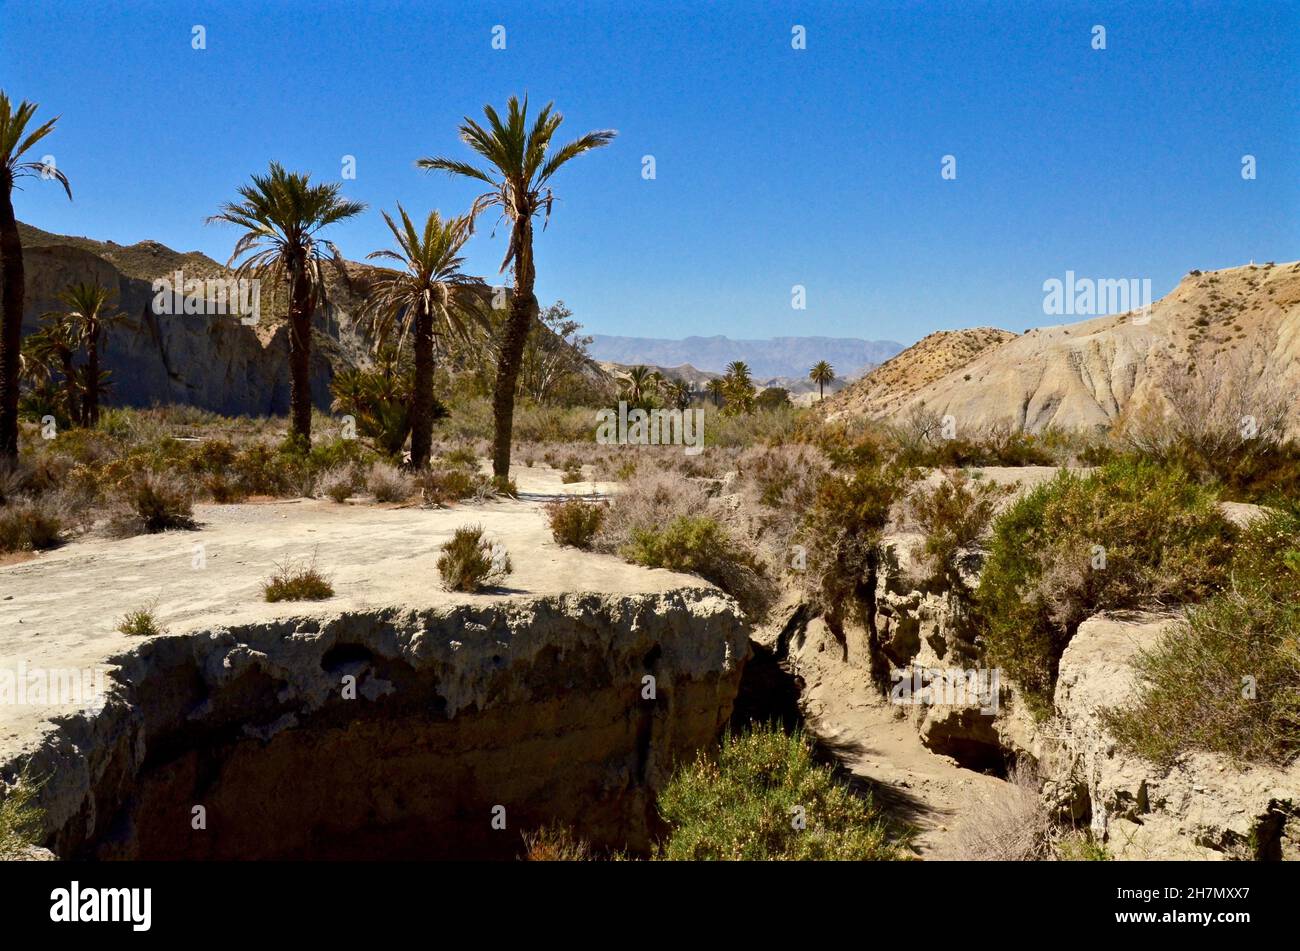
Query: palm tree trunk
pixel 300 308
pixel 422 391
pixel 91 408
pixel 821 391
pixel 523 307
pixel 11 331
pixel 70 384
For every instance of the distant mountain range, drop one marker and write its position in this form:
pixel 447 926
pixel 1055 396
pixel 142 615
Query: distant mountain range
pixel 777 357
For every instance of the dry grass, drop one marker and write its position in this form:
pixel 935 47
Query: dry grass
pixel 140 623
pixel 387 483
pixel 150 502
pixel 1014 826
pixel 297 581
pixel 30 524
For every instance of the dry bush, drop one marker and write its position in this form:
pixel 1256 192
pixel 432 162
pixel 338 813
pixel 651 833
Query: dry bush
pixel 149 502
pixel 1013 826
pixel 297 581
pixel 556 843
pixel 954 515
pixel 30 524
pixel 387 483
pixel 439 486
pixel 575 522
pixel 651 499
pixel 339 483
pixel 470 563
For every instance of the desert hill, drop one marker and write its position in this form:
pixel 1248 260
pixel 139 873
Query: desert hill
pixel 890 385
pixel 1242 322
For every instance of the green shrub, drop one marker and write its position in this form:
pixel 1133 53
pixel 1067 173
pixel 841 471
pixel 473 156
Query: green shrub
pixel 575 522
pixel 744 806
pixel 1129 535
pixel 295 581
pixel 139 623
pixel 470 563
pixel 954 515
pixel 1227 679
pixel 843 529
pixel 699 545
pixel 21 820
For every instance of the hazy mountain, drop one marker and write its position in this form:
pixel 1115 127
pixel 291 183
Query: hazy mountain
pixel 780 356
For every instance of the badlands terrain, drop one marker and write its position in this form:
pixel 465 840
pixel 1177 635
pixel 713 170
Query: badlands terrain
pixel 661 609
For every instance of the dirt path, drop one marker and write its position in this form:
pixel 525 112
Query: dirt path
pixel 923 789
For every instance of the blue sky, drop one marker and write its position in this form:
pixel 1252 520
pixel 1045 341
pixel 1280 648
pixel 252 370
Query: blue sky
pixel 774 167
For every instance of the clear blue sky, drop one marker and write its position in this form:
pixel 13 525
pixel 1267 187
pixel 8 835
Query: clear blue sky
pixel 775 167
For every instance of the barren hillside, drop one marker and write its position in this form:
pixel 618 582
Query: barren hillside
pixel 1086 373
pixel 890 385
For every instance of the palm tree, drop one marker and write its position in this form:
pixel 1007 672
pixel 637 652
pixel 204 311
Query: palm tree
pixel 521 164
pixel 639 382
pixel 55 344
pixel 821 374
pixel 88 315
pixel 15 141
pixel 678 394
pixel 282 214
pixel 739 387
pixel 717 388
pixel 428 297
pixel 739 371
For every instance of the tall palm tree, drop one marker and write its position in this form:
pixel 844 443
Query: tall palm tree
pixel 521 164
pixel 88 313
pixel 429 296
pixel 282 214
pixel 738 370
pixel 640 381
pixel 822 373
pixel 15 141
pixel 739 387
pixel 717 388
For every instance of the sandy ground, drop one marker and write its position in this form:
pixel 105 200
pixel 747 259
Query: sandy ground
pixel 61 609
pixel 923 790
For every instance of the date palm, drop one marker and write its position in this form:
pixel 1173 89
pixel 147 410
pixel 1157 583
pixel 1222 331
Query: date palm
pixel 427 298
pixel 88 313
pixel 640 381
pixel 822 373
pixel 520 164
pixel 52 349
pixel 283 214
pixel 15 142
pixel 717 388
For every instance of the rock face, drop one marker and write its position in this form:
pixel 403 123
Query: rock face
pixel 395 733
pixel 212 362
pixel 1202 807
